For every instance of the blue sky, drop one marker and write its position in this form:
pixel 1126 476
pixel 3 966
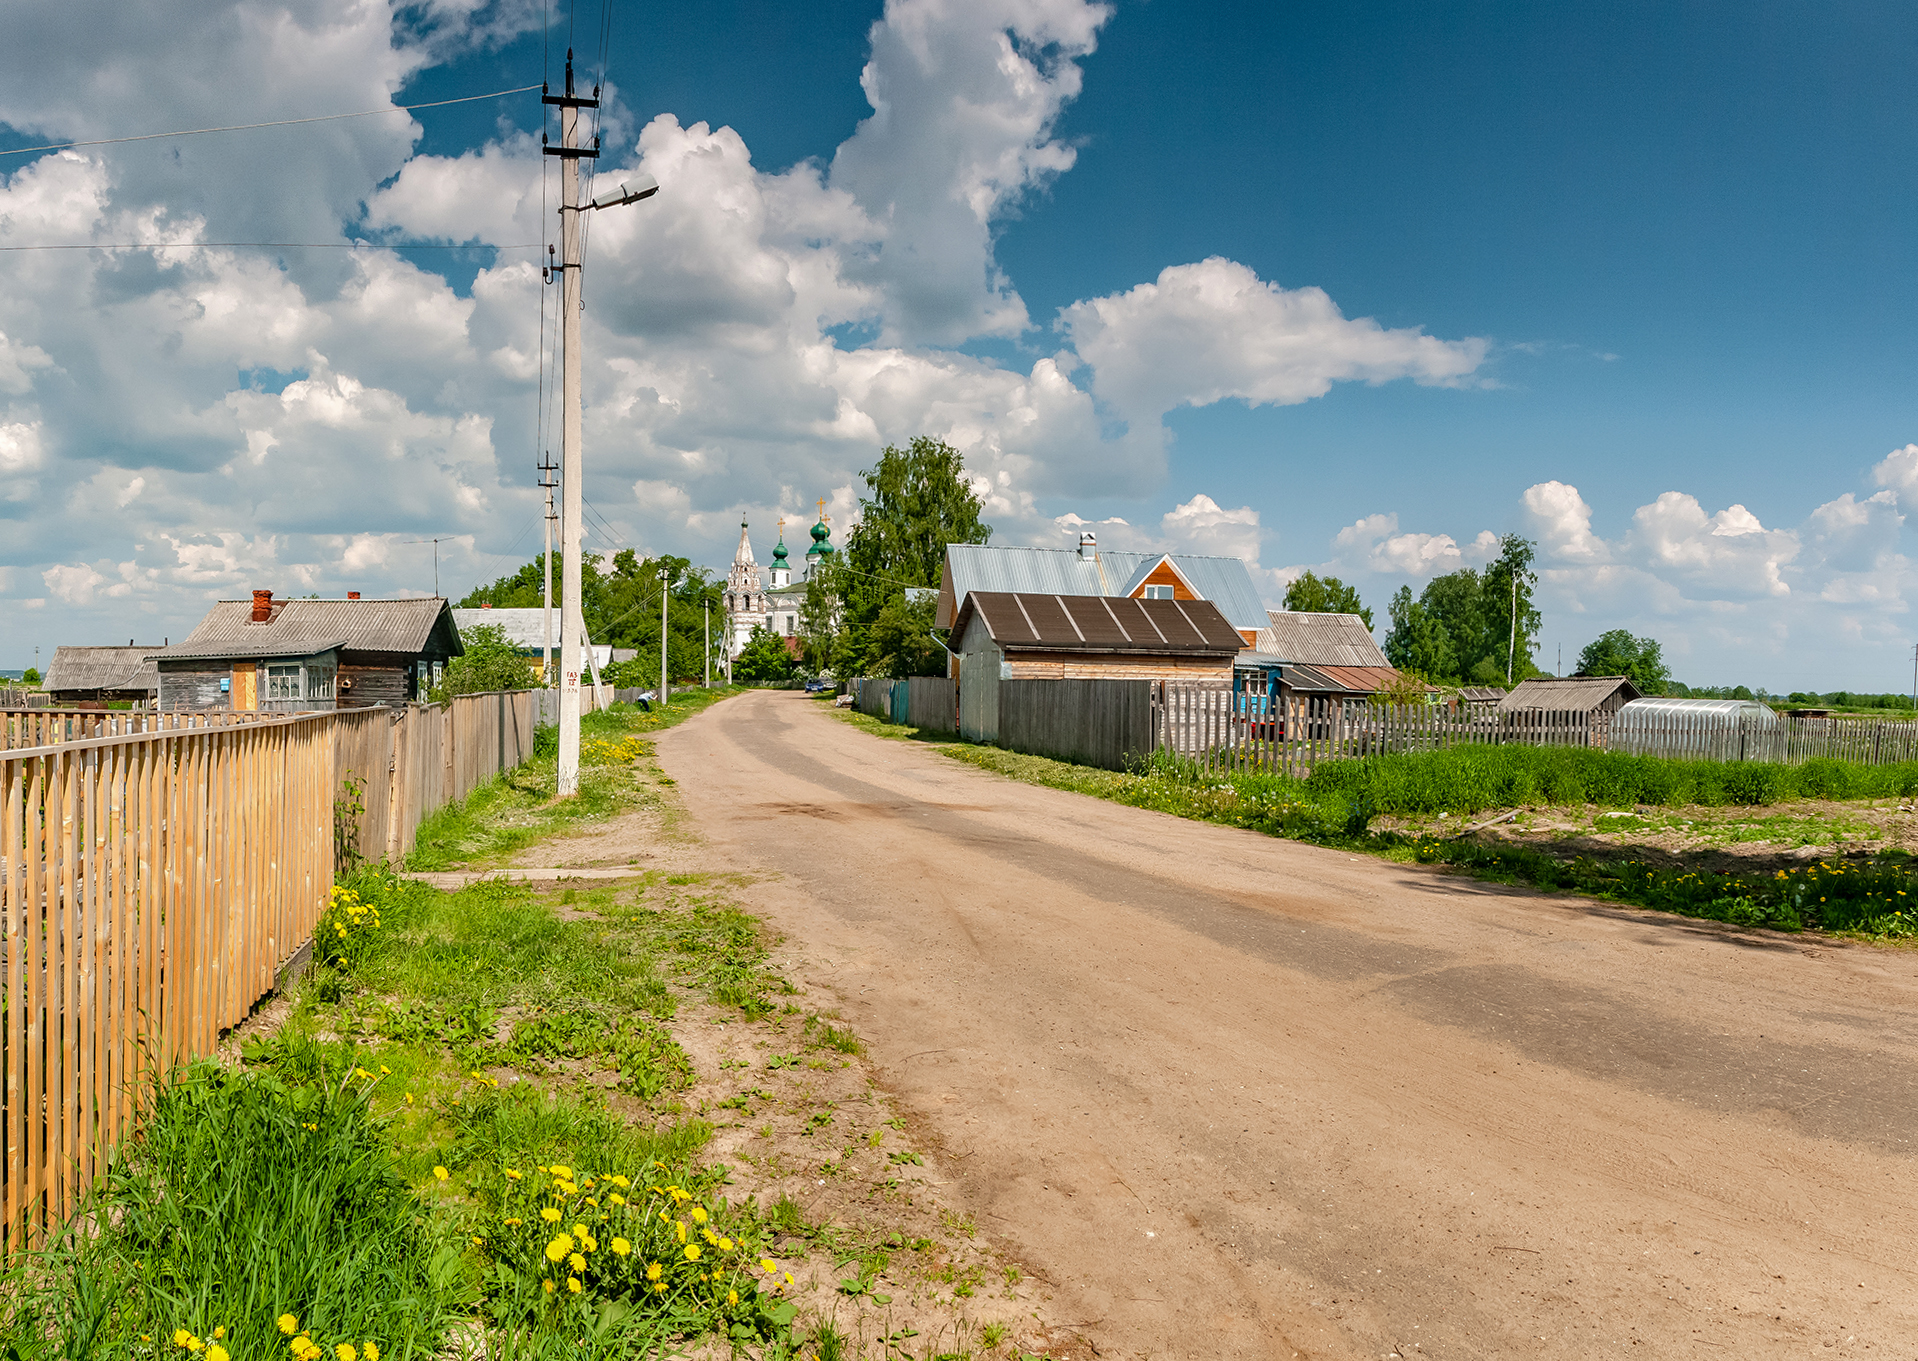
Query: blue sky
pixel 1657 254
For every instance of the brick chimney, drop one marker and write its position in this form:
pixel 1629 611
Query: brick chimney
pixel 352 595
pixel 262 606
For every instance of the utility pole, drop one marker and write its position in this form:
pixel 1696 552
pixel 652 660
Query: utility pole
pixel 1511 651
pixel 572 621
pixel 707 606
pixel 664 595
pixel 1914 673
pixel 546 469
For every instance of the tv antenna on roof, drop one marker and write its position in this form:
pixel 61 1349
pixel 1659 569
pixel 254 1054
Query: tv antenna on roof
pixel 436 557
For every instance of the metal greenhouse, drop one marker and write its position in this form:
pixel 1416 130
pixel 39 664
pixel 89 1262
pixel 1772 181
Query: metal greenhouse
pixel 1705 729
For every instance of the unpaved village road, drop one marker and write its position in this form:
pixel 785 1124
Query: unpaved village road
pixel 1234 1096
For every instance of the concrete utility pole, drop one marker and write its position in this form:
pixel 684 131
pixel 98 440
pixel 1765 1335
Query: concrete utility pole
pixel 665 594
pixel 572 620
pixel 1511 651
pixel 707 606
pixel 546 470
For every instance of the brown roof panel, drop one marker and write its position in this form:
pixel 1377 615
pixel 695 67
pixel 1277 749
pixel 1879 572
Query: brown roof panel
pixel 1320 639
pixel 303 627
pixel 1101 623
pixel 1048 616
pixel 1571 694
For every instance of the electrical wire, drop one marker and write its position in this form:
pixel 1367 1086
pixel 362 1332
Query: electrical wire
pixel 276 123
pixel 259 245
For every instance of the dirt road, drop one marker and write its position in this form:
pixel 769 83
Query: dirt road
pixel 1234 1096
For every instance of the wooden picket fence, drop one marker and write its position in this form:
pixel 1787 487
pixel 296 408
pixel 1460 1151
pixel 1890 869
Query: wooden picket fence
pixel 23 727
pixel 1208 726
pixel 155 882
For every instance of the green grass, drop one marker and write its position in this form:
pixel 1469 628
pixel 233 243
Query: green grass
pixel 1336 805
pixel 520 807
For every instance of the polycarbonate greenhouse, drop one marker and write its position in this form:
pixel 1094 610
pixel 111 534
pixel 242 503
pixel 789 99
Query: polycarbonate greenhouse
pixel 1705 729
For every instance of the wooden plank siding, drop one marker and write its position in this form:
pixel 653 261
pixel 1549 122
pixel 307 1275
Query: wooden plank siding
pixel 157 871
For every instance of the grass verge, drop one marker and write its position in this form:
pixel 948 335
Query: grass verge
pixel 521 807
pixel 1875 898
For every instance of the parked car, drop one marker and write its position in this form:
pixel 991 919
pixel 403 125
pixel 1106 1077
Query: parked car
pixel 815 685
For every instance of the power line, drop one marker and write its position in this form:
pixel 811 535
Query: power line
pixel 276 123
pixel 257 245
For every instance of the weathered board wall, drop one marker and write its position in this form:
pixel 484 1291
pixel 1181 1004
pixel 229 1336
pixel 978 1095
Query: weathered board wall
pixel 1104 723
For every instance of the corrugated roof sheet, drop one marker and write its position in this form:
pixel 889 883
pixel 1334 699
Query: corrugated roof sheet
pixel 1320 639
pixel 1569 694
pixel 301 628
pixel 1365 679
pixel 525 627
pixel 1098 623
pixel 1061 571
pixel 102 668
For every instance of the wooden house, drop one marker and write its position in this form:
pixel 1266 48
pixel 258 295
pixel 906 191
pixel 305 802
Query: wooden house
pixel 97 675
pixel 298 655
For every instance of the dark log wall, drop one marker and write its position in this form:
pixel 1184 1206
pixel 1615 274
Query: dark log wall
pixel 194 685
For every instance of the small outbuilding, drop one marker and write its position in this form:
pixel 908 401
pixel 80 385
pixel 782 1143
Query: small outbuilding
pixel 1604 695
pixel 97 675
pixel 1001 636
pixel 293 656
pixel 1325 655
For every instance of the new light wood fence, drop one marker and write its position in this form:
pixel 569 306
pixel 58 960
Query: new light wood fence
pixel 154 883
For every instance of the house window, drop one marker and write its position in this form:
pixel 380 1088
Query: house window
pixel 319 682
pixel 282 682
pixel 789 626
pixel 1158 593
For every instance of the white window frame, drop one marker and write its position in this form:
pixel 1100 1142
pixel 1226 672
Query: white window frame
pixel 1155 591
pixel 282 683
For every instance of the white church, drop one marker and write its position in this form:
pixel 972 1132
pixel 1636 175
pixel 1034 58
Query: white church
pixel 751 604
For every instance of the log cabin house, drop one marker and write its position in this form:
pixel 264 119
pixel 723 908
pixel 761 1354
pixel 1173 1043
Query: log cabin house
pixel 294 656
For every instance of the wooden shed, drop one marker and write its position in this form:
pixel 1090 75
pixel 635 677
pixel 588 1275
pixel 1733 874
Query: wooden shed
pixel 1010 635
pixel 93 675
pixel 1600 695
pixel 296 655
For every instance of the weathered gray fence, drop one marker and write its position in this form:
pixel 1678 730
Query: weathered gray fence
pixel 1208 725
pixel 932 704
pixel 1105 723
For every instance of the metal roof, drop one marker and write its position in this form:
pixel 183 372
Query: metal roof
pixel 525 626
pixel 1034 621
pixel 1320 639
pixel 1567 694
pixel 300 628
pixel 973 567
pixel 102 668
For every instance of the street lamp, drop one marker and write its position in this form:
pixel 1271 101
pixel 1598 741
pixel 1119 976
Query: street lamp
pixel 572 626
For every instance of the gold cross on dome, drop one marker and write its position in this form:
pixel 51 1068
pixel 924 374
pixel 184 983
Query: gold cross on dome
pixel 822 510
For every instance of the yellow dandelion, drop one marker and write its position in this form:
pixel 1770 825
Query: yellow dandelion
pixel 289 1325
pixel 439 1174
pixel 572 1284
pixel 219 1332
pixel 692 1252
pixel 768 1265
pixel 372 1352
pixel 732 1297
pixel 346 1351
pixel 725 1245
pixel 550 1215
pixel 621 1248
pixel 563 1172
pixel 549 1287
pixel 576 1262
pixel 654 1270
pixel 511 1175
pixel 616 1199
pixel 659 1287
pixel 409 1098
pixel 699 1214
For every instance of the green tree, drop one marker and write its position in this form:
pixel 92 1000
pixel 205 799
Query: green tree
pixel 620 602
pixel 1325 595
pixel 824 640
pixel 764 660
pixel 1619 653
pixel 31 676
pixel 1461 626
pixel 489 663
pixel 1419 640
pixel 901 641
pixel 917 502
